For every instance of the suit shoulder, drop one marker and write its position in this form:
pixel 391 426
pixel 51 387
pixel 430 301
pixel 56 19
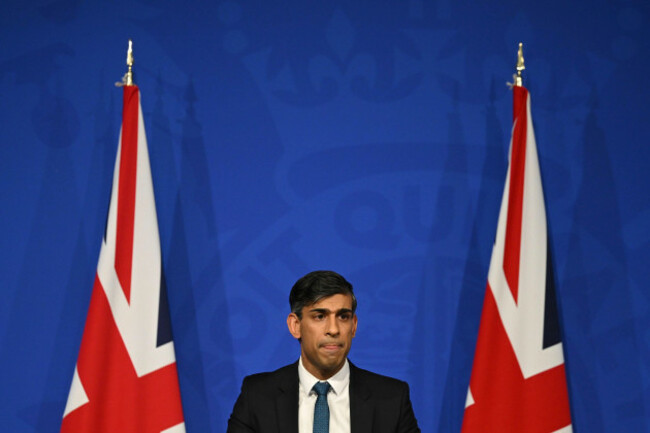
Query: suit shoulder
pixel 270 378
pixel 378 380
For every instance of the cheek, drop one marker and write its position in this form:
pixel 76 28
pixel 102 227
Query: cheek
pixel 309 334
pixel 351 330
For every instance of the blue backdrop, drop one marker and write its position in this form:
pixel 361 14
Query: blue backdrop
pixel 368 137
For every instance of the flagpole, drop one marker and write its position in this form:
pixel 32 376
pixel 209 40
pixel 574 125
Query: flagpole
pixel 520 65
pixel 128 77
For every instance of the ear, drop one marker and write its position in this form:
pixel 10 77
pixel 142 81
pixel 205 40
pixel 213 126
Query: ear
pixel 293 323
pixel 354 325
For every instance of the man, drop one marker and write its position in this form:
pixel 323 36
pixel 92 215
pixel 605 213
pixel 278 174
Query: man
pixel 323 391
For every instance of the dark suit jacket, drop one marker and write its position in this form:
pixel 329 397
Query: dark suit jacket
pixel 268 403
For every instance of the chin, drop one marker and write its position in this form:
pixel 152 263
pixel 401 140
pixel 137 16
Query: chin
pixel 333 365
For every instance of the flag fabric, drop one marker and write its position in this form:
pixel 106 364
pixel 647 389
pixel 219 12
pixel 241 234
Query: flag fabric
pixel 126 379
pixel 518 381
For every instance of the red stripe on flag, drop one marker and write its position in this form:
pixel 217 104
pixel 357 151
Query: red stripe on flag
pixel 119 401
pixel 126 189
pixel 504 400
pixel 516 193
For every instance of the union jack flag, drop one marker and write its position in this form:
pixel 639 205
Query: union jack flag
pixel 518 381
pixel 125 379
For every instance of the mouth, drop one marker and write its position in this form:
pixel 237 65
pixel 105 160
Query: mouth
pixel 331 347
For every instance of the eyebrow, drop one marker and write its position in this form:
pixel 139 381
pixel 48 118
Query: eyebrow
pixel 327 311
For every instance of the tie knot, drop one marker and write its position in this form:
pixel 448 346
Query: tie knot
pixel 321 388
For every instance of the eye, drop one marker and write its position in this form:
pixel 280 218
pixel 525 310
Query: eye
pixel 345 316
pixel 319 316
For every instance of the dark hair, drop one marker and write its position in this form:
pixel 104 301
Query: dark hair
pixel 317 285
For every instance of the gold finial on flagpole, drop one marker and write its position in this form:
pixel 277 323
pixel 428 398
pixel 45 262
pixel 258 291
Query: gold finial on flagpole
pixel 520 65
pixel 128 77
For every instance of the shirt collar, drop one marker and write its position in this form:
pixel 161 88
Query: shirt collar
pixel 338 382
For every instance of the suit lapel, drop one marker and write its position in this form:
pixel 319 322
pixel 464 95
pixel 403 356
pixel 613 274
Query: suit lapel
pixel 286 402
pixel 361 409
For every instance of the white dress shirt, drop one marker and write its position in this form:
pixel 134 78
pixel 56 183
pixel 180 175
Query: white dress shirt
pixel 338 400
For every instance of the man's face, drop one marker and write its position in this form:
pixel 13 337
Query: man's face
pixel 325 332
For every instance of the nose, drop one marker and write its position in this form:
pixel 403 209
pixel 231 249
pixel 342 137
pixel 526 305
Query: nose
pixel 332 325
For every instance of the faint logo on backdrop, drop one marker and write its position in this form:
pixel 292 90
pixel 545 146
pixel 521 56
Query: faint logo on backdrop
pixel 325 49
pixel 54 118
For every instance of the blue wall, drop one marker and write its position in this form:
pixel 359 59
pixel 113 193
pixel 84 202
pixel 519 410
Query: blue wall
pixel 369 137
